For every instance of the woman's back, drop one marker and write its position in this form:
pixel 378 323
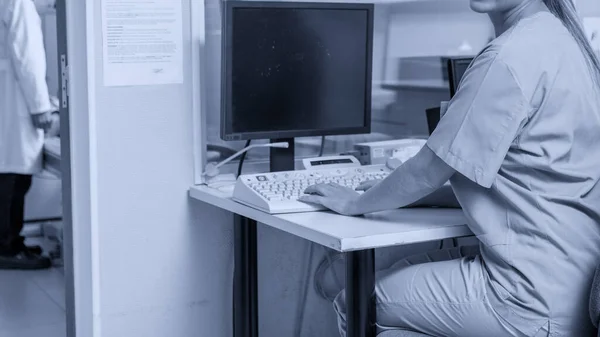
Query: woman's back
pixel 539 222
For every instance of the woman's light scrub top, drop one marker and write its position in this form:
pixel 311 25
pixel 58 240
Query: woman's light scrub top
pixel 523 134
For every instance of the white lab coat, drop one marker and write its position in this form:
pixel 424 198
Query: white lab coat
pixel 44 7
pixel 23 88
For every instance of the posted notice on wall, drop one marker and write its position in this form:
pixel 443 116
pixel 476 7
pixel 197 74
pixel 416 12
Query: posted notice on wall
pixel 142 42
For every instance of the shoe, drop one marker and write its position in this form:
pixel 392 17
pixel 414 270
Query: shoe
pixel 35 250
pixel 24 260
pixel 19 245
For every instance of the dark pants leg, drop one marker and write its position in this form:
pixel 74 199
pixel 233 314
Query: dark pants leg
pixel 13 188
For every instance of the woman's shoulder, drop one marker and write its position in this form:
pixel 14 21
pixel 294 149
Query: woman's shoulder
pixel 533 47
pixel 539 36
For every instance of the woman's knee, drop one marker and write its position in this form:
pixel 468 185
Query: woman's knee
pixel 340 305
pixel 387 316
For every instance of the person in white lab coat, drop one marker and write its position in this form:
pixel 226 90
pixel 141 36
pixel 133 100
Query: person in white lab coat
pixel 26 112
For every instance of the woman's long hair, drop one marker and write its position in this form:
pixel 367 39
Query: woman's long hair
pixel 566 12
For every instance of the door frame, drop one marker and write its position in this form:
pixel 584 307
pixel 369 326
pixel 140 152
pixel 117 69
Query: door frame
pixel 74 86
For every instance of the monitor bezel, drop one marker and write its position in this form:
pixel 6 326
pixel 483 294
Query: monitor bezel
pixel 452 75
pixel 227 133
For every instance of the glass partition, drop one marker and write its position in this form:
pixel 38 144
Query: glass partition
pixel 410 41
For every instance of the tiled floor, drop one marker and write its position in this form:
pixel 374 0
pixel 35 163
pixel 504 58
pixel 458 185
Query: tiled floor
pixel 32 303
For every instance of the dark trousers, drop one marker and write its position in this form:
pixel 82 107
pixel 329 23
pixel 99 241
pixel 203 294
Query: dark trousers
pixel 13 188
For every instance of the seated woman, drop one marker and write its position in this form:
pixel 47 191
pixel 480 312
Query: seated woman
pixel 520 144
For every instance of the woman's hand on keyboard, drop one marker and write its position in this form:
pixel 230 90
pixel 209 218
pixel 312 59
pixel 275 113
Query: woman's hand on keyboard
pixel 340 199
pixel 364 186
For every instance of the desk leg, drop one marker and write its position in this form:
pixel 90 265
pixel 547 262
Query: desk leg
pixel 245 287
pixel 360 290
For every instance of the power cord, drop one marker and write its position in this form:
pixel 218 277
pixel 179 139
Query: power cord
pixel 304 296
pixel 326 263
pixel 320 270
pixel 241 163
pixel 328 254
pixel 322 146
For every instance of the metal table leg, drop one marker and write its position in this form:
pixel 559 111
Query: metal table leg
pixel 245 286
pixel 360 290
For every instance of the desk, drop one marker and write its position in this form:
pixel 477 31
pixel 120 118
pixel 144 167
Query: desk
pixel 358 237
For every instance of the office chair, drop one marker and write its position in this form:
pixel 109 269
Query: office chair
pixel 595 301
pixel 401 333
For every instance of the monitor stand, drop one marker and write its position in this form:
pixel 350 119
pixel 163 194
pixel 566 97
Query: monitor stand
pixel 282 159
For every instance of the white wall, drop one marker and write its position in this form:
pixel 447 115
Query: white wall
pixel 435 28
pixel 149 262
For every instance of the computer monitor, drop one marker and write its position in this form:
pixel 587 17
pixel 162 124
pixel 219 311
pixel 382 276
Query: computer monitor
pixel 456 69
pixel 295 69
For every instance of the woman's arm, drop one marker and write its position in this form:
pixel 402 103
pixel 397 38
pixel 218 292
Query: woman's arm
pixel 416 178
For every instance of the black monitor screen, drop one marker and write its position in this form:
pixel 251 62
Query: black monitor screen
pixel 456 69
pixel 296 69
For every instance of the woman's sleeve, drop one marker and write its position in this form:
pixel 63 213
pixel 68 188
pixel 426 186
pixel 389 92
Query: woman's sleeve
pixel 482 120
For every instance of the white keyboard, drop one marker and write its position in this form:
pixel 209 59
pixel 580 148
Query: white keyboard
pixel 278 192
